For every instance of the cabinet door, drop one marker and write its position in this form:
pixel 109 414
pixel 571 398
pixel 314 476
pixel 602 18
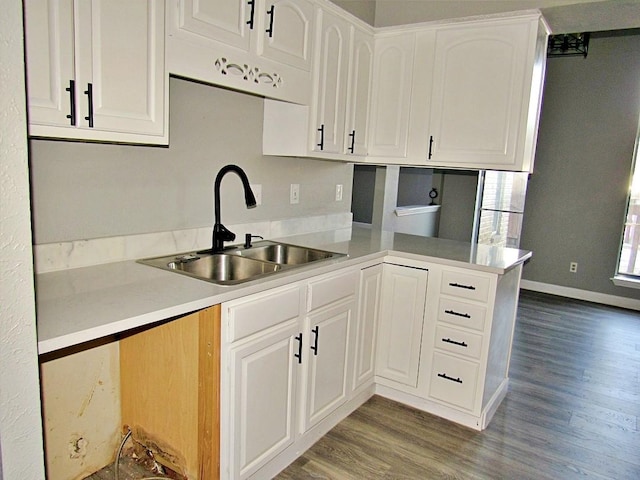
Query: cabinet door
pixel 367 321
pixel 359 98
pixel 50 60
pixel 327 361
pixel 404 291
pixel 392 77
pixel 479 94
pixel 286 30
pixel 263 398
pixel 226 21
pixel 120 65
pixel 331 94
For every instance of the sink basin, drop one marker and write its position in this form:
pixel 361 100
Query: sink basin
pixel 238 264
pixel 285 254
pixel 223 268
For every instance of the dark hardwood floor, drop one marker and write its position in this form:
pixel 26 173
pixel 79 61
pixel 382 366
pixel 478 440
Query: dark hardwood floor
pixel 571 412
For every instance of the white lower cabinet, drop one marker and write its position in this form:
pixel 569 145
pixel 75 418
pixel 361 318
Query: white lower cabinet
pixel 286 364
pixel 404 290
pixel 297 359
pixel 366 325
pixel 263 387
pixel 326 363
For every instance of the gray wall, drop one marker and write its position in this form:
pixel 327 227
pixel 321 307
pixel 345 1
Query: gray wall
pixel 88 190
pixel 577 193
pixel 458 199
pixel 364 183
pixel 414 185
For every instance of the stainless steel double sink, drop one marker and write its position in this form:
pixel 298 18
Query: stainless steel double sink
pixel 238 264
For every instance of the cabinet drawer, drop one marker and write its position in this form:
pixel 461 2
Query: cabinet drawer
pixel 464 285
pixel 458 341
pixel 262 311
pixel 461 313
pixel 333 288
pixel 453 380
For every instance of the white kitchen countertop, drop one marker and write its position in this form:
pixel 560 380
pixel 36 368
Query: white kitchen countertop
pixel 83 304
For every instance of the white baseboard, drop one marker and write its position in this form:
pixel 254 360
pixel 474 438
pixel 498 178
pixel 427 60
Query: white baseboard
pixel 578 294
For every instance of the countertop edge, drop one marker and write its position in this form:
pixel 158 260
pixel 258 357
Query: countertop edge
pixel 220 295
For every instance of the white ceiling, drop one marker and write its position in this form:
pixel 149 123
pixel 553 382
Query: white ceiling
pixel 564 16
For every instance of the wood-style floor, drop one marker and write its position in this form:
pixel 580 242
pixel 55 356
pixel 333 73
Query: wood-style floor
pixel 571 412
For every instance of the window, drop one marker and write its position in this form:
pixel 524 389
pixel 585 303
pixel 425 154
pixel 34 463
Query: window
pixel 628 272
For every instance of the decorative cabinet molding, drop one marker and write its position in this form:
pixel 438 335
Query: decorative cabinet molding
pixel 263 47
pixel 80 86
pixel 248 73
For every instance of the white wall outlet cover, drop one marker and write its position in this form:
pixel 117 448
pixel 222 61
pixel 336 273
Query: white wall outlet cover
pixel 294 196
pixel 338 192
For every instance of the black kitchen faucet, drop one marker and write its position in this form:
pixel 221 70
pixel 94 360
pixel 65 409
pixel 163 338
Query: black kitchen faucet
pixel 220 232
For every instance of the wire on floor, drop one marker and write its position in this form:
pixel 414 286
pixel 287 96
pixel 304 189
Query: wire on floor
pixel 116 463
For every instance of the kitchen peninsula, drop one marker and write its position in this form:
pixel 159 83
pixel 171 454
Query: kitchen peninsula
pixel 424 321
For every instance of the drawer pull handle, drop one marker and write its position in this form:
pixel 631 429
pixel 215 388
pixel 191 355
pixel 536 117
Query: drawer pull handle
pixel 251 3
pixel 457 314
pixel 460 344
pixel 89 93
pixel 72 102
pixel 299 354
pixel 321 130
pixel 271 12
pixel 447 377
pixel 460 285
pixel 316 332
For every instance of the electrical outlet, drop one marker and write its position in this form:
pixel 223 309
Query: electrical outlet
pixel 338 192
pixel 257 192
pixel 573 267
pixel 294 194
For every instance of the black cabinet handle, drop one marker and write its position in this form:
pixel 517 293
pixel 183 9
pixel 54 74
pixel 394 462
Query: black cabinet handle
pixel 321 130
pixel 316 332
pixel 459 285
pixel 252 3
pixel 447 377
pixel 89 93
pixel 271 13
pixel 299 354
pixel 72 102
pixel 430 146
pixel 460 344
pixel 457 314
pixel 353 141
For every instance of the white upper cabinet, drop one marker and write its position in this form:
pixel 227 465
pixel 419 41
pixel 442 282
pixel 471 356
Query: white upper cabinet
pixel 287 35
pixel 258 46
pixel 359 93
pixel 227 21
pixel 95 70
pixel 485 100
pixel 331 94
pixel 392 82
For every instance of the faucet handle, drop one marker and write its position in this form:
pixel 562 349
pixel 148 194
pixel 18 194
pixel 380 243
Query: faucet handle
pixel 221 235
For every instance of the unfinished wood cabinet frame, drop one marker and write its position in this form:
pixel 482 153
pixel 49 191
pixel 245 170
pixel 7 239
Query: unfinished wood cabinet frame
pixel 182 431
